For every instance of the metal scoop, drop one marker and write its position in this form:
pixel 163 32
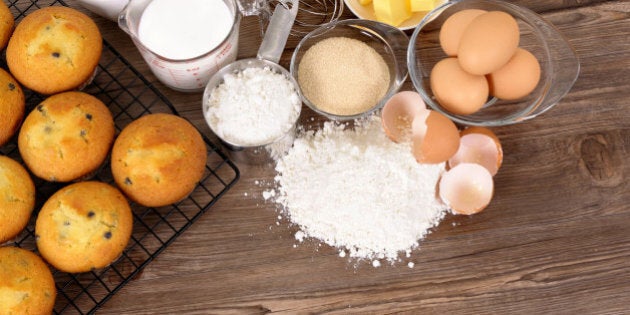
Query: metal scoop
pixel 269 53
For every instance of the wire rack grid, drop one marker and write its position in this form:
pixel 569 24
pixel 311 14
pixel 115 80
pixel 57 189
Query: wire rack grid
pixel 129 96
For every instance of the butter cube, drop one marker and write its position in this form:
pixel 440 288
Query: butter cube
pixel 365 2
pixel 422 5
pixel 392 12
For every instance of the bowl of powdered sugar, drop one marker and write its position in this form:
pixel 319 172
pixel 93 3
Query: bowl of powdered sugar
pixel 347 69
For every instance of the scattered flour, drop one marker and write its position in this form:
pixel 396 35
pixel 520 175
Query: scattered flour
pixel 268 194
pixel 354 189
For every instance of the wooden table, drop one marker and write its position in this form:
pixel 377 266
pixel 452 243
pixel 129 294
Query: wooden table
pixel 554 240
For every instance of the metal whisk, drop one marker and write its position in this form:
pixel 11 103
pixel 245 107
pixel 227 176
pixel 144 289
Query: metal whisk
pixel 311 14
pixel 314 13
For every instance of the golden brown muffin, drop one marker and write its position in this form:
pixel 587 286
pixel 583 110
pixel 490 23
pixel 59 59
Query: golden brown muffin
pixel 11 106
pixel 26 283
pixel 158 159
pixel 83 226
pixel 17 198
pixel 6 24
pixel 54 49
pixel 66 137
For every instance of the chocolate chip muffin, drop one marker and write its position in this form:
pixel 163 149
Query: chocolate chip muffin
pixel 11 106
pixel 83 226
pixel 6 24
pixel 17 198
pixel 158 159
pixel 66 137
pixel 54 49
pixel 26 283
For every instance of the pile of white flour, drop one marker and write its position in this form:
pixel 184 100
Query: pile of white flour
pixel 253 107
pixel 356 190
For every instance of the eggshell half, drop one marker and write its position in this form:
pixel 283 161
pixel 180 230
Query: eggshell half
pixel 453 28
pixel 489 41
pixel 517 78
pixel 481 146
pixel 399 112
pixel 438 143
pixel 466 188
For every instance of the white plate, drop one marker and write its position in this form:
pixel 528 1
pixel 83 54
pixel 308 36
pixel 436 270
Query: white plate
pixel 367 12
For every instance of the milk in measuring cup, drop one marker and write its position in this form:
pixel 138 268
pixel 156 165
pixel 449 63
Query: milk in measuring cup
pixel 180 30
pixel 184 42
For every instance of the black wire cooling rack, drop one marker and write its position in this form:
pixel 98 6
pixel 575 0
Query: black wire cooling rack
pixel 128 95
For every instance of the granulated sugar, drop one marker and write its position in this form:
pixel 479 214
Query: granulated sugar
pixel 343 76
pixel 356 190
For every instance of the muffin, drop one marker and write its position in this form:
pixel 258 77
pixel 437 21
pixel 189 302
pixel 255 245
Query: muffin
pixel 66 137
pixel 26 283
pixel 54 49
pixel 11 106
pixel 17 198
pixel 158 159
pixel 83 226
pixel 6 24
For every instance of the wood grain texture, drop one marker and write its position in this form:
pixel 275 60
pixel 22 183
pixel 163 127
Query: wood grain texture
pixel 554 240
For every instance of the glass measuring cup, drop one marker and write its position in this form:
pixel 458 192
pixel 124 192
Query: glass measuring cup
pixel 189 74
pixel 268 56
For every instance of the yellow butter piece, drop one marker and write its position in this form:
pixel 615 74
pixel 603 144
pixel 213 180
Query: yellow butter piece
pixel 365 2
pixel 392 12
pixel 422 5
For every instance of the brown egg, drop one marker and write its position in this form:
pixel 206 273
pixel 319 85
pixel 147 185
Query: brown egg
pixel 398 113
pixel 438 142
pixel 466 188
pixel 456 90
pixel 453 28
pixel 481 146
pixel 517 78
pixel 489 41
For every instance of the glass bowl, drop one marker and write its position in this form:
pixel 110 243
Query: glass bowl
pixel 388 41
pixel 558 63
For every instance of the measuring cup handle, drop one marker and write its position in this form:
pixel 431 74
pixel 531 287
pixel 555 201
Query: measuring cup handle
pixel 123 23
pixel 258 8
pixel 278 30
pixel 253 7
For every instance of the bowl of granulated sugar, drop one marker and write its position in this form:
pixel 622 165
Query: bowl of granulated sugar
pixel 349 68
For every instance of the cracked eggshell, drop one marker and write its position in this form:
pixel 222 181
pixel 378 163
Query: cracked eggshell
pixel 481 146
pixel 399 112
pixel 466 188
pixel 438 142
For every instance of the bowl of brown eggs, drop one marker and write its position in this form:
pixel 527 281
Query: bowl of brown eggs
pixel 489 63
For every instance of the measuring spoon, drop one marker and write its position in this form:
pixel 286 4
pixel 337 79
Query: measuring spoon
pixel 268 55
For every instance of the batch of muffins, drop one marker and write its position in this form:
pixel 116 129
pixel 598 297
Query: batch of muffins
pixel 155 160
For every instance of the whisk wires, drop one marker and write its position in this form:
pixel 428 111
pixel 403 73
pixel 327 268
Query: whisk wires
pixel 313 14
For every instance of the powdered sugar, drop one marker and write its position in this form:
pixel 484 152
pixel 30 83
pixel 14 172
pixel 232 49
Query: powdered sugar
pixel 358 191
pixel 253 107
